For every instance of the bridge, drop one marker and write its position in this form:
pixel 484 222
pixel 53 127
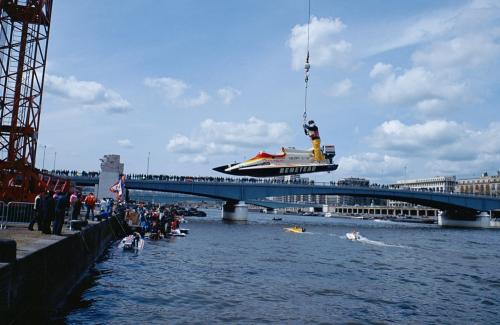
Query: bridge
pixel 135 185
pixel 458 206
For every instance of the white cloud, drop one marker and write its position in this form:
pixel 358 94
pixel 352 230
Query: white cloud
pixel 182 144
pixel 341 88
pixel 88 94
pixel 197 159
pixel 433 148
pixel 430 105
pixel 172 88
pixel 126 143
pixel 252 133
pixel 437 140
pixel 219 138
pixel 175 90
pixel 456 53
pixel 324 46
pixel 380 69
pixel 415 139
pixel 417 87
pixel 465 51
pixel 228 94
pixel 446 23
pixel 201 100
pixel 371 165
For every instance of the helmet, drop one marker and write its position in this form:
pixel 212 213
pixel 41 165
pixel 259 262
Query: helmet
pixel 311 122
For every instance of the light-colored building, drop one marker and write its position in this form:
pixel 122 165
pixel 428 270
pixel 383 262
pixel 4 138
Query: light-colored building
pixel 483 185
pixel 331 200
pixel 444 184
pixel 340 200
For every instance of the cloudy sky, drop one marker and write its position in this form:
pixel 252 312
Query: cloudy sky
pixel 403 89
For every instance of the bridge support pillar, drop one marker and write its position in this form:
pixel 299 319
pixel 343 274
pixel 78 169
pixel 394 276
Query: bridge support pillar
pixel 468 219
pixel 235 211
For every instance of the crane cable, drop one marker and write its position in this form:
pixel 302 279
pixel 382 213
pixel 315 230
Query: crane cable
pixel 307 66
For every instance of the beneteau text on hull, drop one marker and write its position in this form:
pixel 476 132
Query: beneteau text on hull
pixel 289 161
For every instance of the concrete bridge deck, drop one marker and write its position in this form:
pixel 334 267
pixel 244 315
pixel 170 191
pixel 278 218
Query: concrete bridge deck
pixel 257 190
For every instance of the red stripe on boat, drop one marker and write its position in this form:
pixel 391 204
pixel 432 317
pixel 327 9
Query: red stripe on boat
pixel 261 155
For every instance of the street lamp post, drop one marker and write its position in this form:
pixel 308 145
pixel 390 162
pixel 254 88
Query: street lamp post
pixel 55 155
pixel 43 160
pixel 147 168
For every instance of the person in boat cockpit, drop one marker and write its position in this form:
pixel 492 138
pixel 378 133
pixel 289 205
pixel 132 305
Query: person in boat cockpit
pixel 312 131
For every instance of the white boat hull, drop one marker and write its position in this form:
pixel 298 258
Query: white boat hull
pixel 352 236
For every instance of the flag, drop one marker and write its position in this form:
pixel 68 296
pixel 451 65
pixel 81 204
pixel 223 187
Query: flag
pixel 121 186
pixel 115 187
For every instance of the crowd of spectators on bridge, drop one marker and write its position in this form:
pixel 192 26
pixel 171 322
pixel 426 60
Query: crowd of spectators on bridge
pixel 211 179
pixel 71 173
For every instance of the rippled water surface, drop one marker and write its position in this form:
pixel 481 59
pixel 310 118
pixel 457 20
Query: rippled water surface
pixel 258 273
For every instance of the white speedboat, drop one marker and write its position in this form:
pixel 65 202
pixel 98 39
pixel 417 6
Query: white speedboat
pixel 354 235
pixel 132 242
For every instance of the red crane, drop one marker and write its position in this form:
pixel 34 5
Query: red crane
pixel 24 36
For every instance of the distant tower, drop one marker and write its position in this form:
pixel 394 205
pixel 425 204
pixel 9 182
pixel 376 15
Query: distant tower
pixel 111 169
pixel 24 35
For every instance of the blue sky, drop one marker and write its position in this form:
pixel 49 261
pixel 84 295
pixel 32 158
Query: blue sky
pixel 394 85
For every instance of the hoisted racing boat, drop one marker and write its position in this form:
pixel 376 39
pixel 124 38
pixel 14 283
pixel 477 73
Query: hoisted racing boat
pixel 289 161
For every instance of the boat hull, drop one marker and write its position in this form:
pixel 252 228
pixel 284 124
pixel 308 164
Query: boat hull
pixel 352 236
pixel 272 171
pixel 295 230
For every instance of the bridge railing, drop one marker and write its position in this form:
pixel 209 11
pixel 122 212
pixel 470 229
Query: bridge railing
pixel 271 182
pixel 3 212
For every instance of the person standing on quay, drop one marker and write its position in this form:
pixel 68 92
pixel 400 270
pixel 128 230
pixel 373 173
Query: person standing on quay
pixel 48 212
pixel 36 213
pixel 72 199
pixel 61 203
pixel 77 208
pixel 90 204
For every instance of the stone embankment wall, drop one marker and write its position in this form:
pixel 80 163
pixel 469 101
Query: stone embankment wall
pixel 34 286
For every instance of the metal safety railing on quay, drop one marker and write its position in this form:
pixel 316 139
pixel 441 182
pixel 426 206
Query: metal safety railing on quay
pixel 16 213
pixel 3 213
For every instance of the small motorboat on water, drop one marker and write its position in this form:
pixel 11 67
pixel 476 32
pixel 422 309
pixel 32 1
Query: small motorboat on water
pixel 277 219
pixel 132 242
pixel 177 233
pixel 354 235
pixel 295 229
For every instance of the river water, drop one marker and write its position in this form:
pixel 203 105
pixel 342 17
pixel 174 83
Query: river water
pixel 257 273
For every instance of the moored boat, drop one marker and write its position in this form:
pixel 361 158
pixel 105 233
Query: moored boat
pixel 132 242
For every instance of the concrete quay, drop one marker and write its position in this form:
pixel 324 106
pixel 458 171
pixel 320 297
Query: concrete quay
pixel 47 268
